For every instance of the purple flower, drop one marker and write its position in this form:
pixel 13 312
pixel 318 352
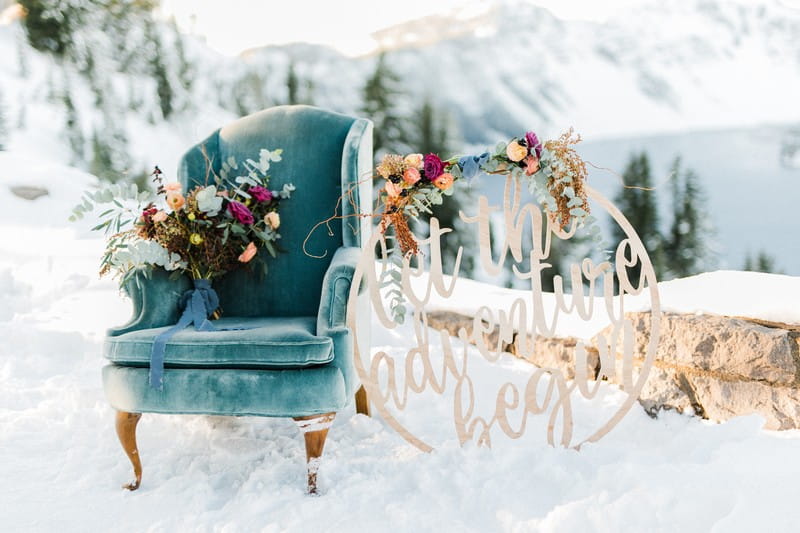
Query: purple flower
pixel 261 194
pixel 240 212
pixel 433 166
pixel 534 143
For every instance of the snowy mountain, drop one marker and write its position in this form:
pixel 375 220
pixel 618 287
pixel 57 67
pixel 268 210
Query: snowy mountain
pixel 662 67
pixel 653 78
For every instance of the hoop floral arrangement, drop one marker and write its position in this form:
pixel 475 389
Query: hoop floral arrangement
pixel 553 171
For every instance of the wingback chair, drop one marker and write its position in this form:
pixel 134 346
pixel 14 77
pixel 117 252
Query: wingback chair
pixel 293 354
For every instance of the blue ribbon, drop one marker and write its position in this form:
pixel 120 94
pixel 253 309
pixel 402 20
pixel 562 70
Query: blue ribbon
pixel 470 164
pixel 197 305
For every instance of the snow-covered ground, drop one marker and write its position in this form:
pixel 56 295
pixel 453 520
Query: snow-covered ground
pixel 61 466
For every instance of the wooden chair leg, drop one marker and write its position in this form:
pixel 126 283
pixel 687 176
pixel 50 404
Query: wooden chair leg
pixel 315 430
pixel 126 431
pixel 362 402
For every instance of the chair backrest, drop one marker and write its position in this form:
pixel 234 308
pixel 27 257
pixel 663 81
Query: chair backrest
pixel 324 153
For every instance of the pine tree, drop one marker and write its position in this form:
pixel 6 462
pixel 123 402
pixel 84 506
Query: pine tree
pixel 49 24
pixel 292 85
pixel 158 70
pixel 686 251
pixel 381 98
pixel 72 126
pixel 637 201
pixel 763 262
pixel 185 70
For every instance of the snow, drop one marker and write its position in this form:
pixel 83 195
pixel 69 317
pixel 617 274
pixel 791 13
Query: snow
pixel 61 466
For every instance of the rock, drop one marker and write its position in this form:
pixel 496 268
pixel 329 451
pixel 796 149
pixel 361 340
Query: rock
pixel 722 367
pixel 28 192
pixel 713 366
pixel 546 352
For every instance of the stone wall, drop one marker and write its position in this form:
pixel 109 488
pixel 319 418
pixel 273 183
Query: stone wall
pixel 717 367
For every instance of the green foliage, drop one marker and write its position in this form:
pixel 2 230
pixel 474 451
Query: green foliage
pixel 637 201
pixel 381 96
pixel 72 127
pixel 185 69
pixel 292 85
pixel 685 247
pixel 49 24
pixel 763 262
pixel 158 69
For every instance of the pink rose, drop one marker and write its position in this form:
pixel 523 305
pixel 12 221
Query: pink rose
pixel 248 253
pixel 272 219
pixel 531 165
pixel 172 187
pixel 392 189
pixel 411 175
pixel 161 216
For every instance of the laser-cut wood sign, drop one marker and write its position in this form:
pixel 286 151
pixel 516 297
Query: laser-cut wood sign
pixel 390 380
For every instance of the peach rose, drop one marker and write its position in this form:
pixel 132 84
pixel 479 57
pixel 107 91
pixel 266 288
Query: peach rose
pixel 444 181
pixel 413 160
pixel 272 219
pixel 515 151
pixel 531 165
pixel 248 253
pixel 411 175
pixel 172 187
pixel 392 189
pixel 161 216
pixel 175 200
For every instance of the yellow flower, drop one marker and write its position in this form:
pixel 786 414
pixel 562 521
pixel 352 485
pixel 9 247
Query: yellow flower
pixel 195 239
pixel 272 219
pixel 516 152
pixel 191 216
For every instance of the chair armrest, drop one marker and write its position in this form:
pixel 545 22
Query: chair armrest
pixel 336 289
pixel 155 300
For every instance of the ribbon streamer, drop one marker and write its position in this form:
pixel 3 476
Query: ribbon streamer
pixel 197 305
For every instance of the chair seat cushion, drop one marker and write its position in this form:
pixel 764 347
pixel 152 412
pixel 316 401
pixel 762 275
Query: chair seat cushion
pixel 261 342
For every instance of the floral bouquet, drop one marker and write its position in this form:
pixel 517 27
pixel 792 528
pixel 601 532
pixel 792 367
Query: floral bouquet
pixel 205 233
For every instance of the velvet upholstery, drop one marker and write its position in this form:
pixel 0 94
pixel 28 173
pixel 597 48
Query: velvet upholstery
pixel 296 358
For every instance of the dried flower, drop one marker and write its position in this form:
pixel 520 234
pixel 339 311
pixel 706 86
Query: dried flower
pixel 392 165
pixel 515 151
pixel 248 253
pixel 196 239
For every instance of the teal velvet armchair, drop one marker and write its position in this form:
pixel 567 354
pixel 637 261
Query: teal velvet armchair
pixel 282 348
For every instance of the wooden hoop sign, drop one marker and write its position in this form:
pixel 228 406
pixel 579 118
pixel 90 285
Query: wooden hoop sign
pixel 391 380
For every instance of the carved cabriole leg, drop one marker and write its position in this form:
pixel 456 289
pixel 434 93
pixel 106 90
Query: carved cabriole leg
pixel 315 430
pixel 126 431
pixel 362 402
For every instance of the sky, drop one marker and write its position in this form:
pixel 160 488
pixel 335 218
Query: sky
pixel 343 24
